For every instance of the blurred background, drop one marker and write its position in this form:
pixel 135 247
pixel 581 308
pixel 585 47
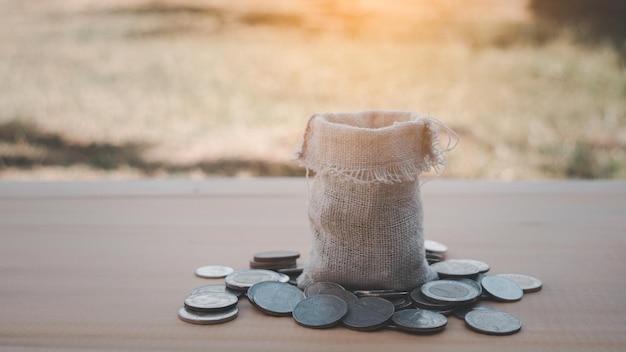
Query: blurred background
pixel 120 89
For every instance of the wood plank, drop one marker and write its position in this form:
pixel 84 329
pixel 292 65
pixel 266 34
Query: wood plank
pixel 106 265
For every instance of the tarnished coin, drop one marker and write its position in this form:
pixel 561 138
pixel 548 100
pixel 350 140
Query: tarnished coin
pixel 525 282
pixel 435 247
pixel 276 256
pixel 493 322
pixel 215 288
pixel 243 279
pixel 474 283
pixel 341 293
pixel 401 303
pixel 449 291
pixel 320 311
pixel 387 294
pixel 213 271
pixel 275 298
pixel 251 291
pixel 317 288
pixel 502 289
pixel 368 313
pixel 478 279
pixel 419 320
pixel 207 318
pixel 421 302
pixel 210 302
pixel 454 268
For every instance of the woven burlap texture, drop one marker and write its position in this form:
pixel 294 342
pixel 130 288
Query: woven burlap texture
pixel 365 208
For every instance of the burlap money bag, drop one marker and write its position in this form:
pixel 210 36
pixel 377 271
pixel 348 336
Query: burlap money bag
pixel 365 209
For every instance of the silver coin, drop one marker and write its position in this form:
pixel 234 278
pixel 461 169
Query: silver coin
pixel 284 278
pixel 215 288
pixel 251 291
pixel 275 298
pixel 525 282
pixel 341 293
pixel 401 302
pixel 243 279
pixel 209 318
pixel 419 320
pixel 214 271
pixel 320 311
pixel 478 280
pixel 502 289
pixel 454 268
pixel 449 291
pixel 368 314
pixel 492 322
pixel 387 294
pixel 482 266
pixel 210 302
pixel 474 283
pixel 421 302
pixel 317 288
pixel 434 246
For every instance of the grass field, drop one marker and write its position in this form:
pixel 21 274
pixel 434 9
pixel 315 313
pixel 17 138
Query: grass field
pixel 174 88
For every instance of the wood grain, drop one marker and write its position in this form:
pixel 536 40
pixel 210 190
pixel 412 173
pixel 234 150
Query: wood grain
pixel 106 265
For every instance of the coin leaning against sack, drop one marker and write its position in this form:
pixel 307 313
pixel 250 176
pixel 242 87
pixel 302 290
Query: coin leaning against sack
pixel 462 284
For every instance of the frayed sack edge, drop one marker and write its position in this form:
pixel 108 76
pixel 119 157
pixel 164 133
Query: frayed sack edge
pixel 398 172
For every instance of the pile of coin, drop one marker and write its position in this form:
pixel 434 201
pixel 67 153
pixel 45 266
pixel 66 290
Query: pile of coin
pixel 435 251
pixel 462 284
pixel 217 303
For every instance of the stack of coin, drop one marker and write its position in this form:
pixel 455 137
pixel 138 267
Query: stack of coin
pixel 435 251
pixel 209 304
pixel 275 260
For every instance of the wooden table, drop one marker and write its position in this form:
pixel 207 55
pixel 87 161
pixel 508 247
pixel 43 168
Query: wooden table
pixel 106 265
